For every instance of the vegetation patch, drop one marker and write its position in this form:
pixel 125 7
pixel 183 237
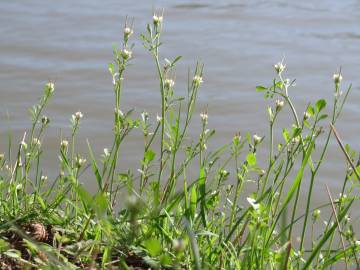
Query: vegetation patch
pixel 161 216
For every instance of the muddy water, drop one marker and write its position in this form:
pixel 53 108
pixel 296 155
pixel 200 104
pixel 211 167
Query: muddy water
pixel 238 41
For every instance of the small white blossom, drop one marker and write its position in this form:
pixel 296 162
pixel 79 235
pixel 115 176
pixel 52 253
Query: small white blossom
pixel 279 67
pixel 197 80
pixel 106 152
pixel 204 117
pixel 169 83
pixel 80 162
pixel 64 143
pixel 126 54
pixel 158 118
pixel 36 142
pixel 279 104
pixel 257 139
pixel 144 116
pixel 253 203
pixel 50 87
pixel 77 116
pixel 337 78
pixel 128 31
pixel 119 112
pixel 23 144
pixel 44 178
pixel 157 19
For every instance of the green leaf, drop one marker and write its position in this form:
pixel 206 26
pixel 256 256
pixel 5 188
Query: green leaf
pixel 100 204
pixel 84 196
pixel 153 246
pixel 260 88
pixel 251 159
pixel 193 201
pixel 176 59
pixel 111 68
pixel 310 110
pixel 323 116
pixel 202 189
pixel 95 167
pixel 286 135
pixel 149 156
pixel 320 104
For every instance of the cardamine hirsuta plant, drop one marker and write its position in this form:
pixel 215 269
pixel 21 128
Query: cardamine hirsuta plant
pixel 235 210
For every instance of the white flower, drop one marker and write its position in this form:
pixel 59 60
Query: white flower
pixel 279 67
pixel 64 143
pixel 158 118
pixel 44 178
pixel 36 142
pixel 197 80
pixel 77 116
pixel 169 83
pixel 49 87
pixel 119 112
pixel 106 152
pixel 144 116
pixel 157 19
pixel 126 54
pixel 204 117
pixel 253 203
pixel 279 104
pixel 80 161
pixel 257 139
pixel 337 78
pixel 23 144
pixel 128 31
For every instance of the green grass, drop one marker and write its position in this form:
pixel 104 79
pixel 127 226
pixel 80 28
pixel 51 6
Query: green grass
pixel 170 219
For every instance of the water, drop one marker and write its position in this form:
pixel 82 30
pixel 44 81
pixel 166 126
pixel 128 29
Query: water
pixel 71 43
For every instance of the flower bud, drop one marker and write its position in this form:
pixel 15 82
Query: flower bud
pixel 126 54
pixel 279 67
pixel 257 139
pixel 45 120
pixel 337 78
pixel 128 32
pixel 316 214
pixel 204 117
pixel 157 19
pixel 279 104
pixel 197 80
pixel 169 83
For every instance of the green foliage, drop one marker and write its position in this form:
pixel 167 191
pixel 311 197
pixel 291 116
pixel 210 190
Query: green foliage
pixel 186 207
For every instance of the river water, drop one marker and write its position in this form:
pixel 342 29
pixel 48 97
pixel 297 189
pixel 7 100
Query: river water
pixel 70 42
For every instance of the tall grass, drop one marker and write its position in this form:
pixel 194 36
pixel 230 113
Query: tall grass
pixel 211 221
